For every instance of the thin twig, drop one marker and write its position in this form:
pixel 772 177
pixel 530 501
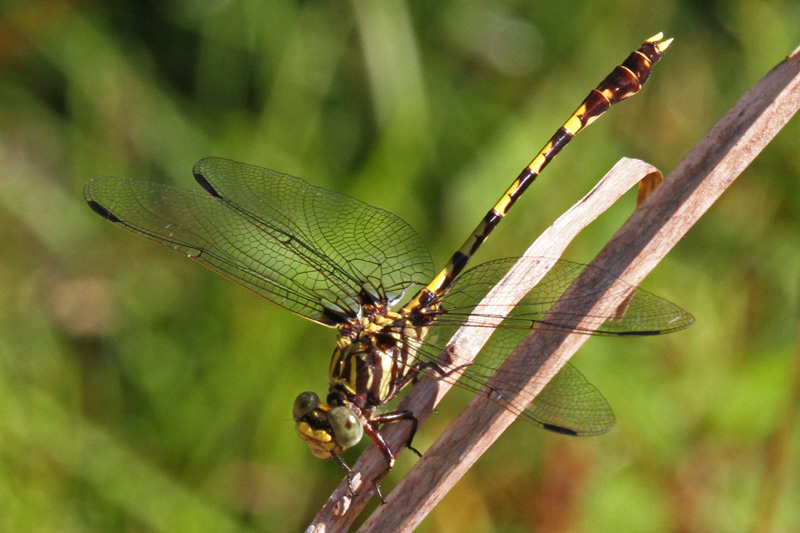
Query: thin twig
pixel 695 184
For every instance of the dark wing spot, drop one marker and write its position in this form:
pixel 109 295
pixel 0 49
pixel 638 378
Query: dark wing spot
pixel 206 185
pixel 103 212
pixel 559 429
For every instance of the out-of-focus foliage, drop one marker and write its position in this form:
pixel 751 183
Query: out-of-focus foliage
pixel 139 392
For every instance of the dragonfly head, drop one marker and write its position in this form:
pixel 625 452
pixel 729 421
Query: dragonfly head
pixel 327 429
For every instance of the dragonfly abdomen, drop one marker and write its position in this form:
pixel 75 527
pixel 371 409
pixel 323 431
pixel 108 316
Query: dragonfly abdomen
pixel 624 81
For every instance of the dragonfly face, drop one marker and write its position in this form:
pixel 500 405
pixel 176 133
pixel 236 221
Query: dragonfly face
pixel 342 263
pixel 327 430
pixel 373 361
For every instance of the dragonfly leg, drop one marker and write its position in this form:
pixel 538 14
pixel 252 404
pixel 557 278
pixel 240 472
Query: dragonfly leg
pixel 348 473
pixel 396 416
pixel 432 367
pixel 426 367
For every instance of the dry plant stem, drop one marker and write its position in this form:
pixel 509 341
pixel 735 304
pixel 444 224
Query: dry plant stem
pixel 696 183
pixel 467 342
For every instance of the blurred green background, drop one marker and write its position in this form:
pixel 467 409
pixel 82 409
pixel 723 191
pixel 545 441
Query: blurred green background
pixel 141 392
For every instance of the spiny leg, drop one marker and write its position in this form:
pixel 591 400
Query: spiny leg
pixel 396 416
pixel 371 429
pixel 348 474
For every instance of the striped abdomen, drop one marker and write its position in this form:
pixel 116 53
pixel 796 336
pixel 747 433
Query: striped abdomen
pixel 624 81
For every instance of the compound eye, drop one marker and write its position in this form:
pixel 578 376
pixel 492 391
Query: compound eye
pixel 304 404
pixel 347 429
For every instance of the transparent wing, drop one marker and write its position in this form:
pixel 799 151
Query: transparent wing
pixel 372 248
pixel 568 403
pixel 315 252
pixel 645 313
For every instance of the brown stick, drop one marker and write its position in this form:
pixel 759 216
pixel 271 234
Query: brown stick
pixel 467 342
pixel 695 184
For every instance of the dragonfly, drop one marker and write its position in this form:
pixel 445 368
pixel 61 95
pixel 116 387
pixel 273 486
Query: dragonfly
pixel 351 267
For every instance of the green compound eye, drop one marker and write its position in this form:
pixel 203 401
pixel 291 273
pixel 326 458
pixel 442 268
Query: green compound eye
pixel 304 404
pixel 347 429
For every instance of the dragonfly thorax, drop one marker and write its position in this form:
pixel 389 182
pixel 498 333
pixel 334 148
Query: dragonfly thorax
pixel 373 360
pixel 369 364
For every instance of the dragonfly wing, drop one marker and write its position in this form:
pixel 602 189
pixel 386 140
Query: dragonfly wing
pixel 209 232
pixel 568 403
pixel 315 252
pixel 643 313
pixel 371 248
